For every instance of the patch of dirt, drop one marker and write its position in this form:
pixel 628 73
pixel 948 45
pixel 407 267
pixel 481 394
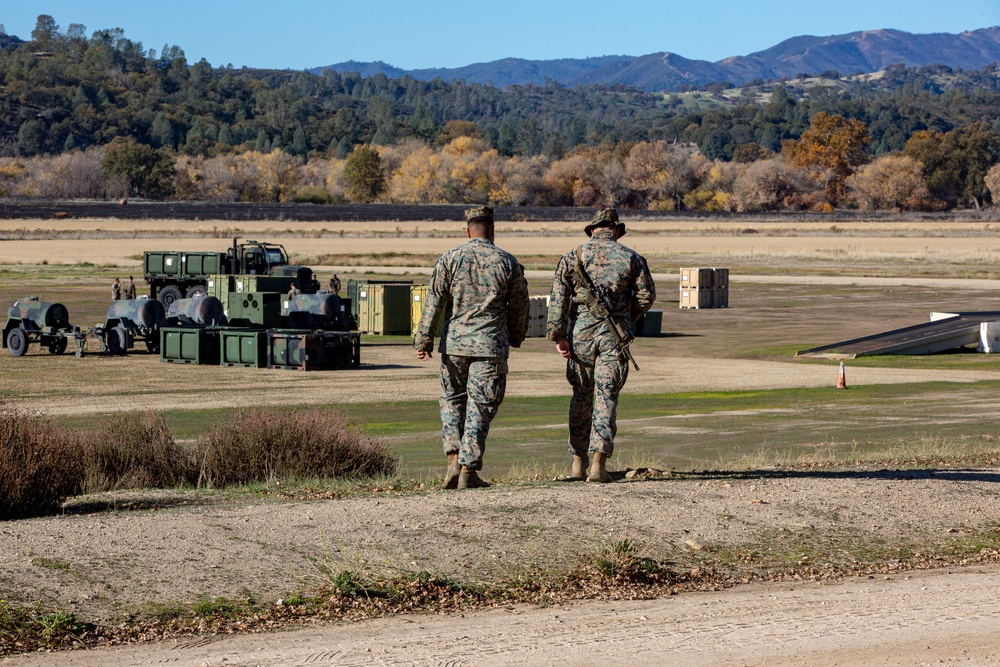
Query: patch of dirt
pixel 108 565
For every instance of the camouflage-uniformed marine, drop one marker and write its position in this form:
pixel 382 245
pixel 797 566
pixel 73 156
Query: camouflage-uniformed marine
pixel 596 367
pixel 481 292
pixel 116 290
pixel 130 288
pixel 335 284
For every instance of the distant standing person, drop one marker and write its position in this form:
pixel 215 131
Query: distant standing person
pixel 596 367
pixel 116 290
pixel 130 288
pixel 293 292
pixel 335 284
pixel 481 292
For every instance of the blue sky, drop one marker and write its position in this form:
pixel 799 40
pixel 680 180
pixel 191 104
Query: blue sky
pixel 411 34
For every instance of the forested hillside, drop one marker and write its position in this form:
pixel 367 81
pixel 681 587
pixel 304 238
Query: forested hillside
pixel 127 121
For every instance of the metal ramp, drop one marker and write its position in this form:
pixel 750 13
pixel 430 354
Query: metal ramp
pixel 956 330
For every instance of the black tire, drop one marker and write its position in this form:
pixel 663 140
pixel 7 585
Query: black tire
pixel 153 344
pixel 168 295
pixel 196 291
pixel 17 342
pixel 117 341
pixel 57 345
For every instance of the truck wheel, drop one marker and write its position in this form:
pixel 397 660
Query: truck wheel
pixel 196 291
pixel 17 342
pixel 57 345
pixel 168 295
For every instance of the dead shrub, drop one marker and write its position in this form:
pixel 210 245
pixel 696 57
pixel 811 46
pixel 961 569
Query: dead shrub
pixel 260 444
pixel 39 466
pixel 134 450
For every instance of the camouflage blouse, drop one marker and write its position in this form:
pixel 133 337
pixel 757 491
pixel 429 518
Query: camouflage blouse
pixel 481 291
pixel 619 270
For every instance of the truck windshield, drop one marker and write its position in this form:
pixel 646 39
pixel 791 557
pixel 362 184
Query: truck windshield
pixel 275 257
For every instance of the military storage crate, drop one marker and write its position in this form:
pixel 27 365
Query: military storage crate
pixel 649 324
pixel 243 348
pixel 704 288
pixel 538 315
pixel 255 309
pixel 383 308
pixel 313 350
pixel 190 345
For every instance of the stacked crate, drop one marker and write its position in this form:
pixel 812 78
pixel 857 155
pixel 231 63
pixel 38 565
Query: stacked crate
pixel 704 288
pixel 538 315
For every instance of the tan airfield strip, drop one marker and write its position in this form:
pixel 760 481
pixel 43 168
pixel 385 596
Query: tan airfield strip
pixel 128 252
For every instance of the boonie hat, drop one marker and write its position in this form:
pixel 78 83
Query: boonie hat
pixel 608 217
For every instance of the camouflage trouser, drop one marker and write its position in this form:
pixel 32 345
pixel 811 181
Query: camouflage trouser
pixel 597 371
pixel 472 391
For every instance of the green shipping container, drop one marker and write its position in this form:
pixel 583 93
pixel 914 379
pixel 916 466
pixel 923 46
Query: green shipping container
pixel 190 345
pixel 246 349
pixel 255 309
pixel 384 309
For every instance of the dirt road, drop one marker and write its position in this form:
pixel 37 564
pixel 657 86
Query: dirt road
pixel 937 617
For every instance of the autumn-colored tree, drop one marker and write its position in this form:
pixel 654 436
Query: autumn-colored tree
pixel 659 172
pixel 992 181
pixel 421 178
pixel 767 185
pixel 363 174
pixel 572 181
pixel 889 182
pixel 833 147
pixel 715 191
pixel 458 128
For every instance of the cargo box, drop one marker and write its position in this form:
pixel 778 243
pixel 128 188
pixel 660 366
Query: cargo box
pixel 649 324
pixel 190 345
pixel 693 297
pixel 313 350
pixel 720 297
pixel 175 264
pixel 698 278
pixel 255 283
pixel 246 348
pixel 220 286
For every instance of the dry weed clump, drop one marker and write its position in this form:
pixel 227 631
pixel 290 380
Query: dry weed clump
pixel 135 450
pixel 262 444
pixel 39 466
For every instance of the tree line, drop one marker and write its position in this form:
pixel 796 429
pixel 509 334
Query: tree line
pixel 101 116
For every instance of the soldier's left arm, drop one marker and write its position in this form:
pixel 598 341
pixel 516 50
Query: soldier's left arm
pixel 517 306
pixel 645 291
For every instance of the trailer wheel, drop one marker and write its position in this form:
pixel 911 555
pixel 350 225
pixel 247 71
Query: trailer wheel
pixel 17 342
pixel 168 295
pixel 153 345
pixel 196 291
pixel 117 341
pixel 57 345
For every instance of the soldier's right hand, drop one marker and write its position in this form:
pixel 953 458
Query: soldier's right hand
pixel 424 355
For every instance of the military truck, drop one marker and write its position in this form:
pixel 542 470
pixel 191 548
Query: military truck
pixel 175 274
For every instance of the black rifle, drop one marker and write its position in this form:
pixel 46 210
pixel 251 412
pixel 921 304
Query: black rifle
pixel 597 302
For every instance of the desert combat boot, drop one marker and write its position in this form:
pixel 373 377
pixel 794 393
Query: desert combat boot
pixel 469 479
pixel 578 472
pixel 452 473
pixel 598 469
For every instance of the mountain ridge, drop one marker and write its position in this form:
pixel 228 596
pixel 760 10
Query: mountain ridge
pixel 864 51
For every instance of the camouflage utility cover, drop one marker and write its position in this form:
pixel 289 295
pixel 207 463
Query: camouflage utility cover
pixel 621 271
pixel 482 291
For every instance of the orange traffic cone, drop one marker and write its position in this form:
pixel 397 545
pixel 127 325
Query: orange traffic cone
pixel 842 379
